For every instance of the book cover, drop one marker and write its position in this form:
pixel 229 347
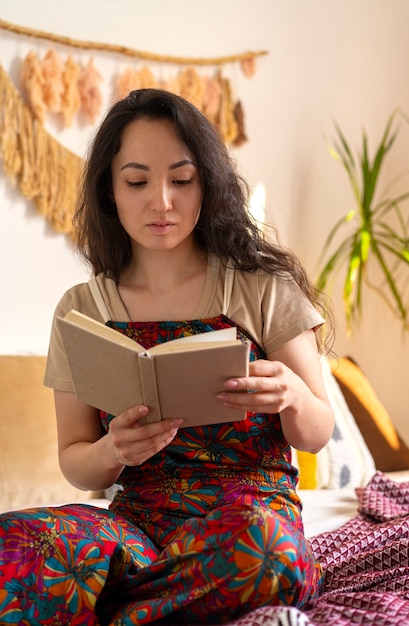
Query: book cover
pixel 178 378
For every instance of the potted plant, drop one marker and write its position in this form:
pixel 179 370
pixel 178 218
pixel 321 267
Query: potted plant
pixel 375 231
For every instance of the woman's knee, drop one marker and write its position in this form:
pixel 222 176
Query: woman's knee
pixel 273 561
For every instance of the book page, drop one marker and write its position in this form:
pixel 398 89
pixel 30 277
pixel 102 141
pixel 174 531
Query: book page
pixel 225 336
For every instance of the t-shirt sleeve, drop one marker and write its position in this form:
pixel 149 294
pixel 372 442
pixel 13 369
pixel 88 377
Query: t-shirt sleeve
pixel 286 311
pixel 273 310
pixel 57 373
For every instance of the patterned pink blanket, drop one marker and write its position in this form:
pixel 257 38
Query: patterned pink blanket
pixel 366 564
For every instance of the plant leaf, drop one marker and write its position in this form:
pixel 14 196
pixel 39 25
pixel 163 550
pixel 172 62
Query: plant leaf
pixel 391 283
pixel 371 233
pixel 371 174
pixel 336 259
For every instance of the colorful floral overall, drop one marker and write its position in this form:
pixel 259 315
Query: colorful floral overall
pixel 203 532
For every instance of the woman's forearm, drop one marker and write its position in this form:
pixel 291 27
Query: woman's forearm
pixel 308 424
pixel 90 466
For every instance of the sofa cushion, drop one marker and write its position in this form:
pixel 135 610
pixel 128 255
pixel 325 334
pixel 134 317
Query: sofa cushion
pixel 345 462
pixel 29 469
pixel 389 451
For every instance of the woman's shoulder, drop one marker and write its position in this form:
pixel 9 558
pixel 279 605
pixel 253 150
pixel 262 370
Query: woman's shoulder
pixel 271 306
pixel 81 297
pixel 262 279
pixel 75 297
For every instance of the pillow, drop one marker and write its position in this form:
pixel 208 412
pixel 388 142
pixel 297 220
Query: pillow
pixel 389 451
pixel 345 462
pixel 29 471
pixel 306 463
pixel 350 461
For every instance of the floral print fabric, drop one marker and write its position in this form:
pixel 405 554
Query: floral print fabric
pixel 202 532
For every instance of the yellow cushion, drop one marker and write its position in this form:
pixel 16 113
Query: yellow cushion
pixel 29 469
pixel 307 466
pixel 389 451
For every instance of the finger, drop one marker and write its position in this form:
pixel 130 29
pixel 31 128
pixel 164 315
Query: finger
pixel 132 416
pixel 259 384
pixel 156 443
pixel 244 400
pixel 146 448
pixel 266 396
pixel 153 429
pixel 264 367
pixel 137 444
pixel 154 436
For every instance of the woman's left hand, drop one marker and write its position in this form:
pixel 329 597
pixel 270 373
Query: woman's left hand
pixel 268 388
pixel 290 383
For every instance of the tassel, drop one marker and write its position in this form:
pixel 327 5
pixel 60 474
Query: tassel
pixel 46 172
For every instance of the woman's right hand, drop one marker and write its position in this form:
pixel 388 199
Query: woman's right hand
pixel 93 459
pixel 133 441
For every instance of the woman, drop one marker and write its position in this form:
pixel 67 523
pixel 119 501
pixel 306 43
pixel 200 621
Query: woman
pixel 207 523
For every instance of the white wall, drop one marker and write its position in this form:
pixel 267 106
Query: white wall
pixel 328 59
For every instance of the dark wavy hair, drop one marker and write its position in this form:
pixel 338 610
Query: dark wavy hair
pixel 225 226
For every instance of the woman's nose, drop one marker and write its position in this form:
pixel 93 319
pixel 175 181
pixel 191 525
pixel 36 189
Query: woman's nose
pixel 163 199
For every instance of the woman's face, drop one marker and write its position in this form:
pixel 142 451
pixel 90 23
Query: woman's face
pixel 156 186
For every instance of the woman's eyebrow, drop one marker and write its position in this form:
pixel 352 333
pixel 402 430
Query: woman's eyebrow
pixel 136 166
pixel 181 164
pixel 146 168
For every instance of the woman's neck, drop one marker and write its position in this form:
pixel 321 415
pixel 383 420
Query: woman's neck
pixel 158 273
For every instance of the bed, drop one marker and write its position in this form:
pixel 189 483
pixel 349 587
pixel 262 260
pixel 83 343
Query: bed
pixel 355 494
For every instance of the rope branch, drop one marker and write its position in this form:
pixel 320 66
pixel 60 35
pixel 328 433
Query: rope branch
pixel 89 45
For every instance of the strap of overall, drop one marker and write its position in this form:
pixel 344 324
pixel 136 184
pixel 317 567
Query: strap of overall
pixel 228 288
pixel 99 300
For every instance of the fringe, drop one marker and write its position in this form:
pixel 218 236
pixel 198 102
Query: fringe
pixel 46 172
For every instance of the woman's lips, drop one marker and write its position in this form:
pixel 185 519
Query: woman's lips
pixel 161 227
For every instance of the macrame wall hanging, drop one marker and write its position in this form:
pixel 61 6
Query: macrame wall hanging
pixel 45 171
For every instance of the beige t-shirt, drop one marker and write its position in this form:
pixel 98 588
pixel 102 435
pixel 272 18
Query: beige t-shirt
pixel 272 310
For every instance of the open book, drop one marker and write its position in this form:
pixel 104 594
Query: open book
pixel 178 378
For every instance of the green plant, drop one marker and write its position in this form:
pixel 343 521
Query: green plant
pixel 377 232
